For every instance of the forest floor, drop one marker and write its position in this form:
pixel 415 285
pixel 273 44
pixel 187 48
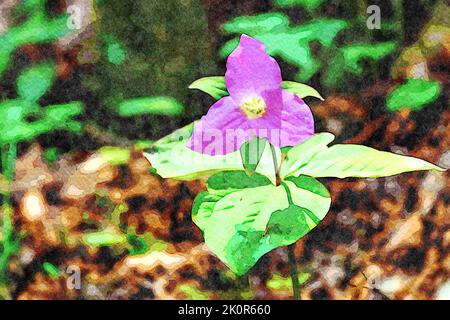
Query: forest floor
pixel 383 238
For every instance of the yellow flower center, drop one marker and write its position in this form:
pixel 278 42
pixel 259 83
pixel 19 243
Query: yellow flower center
pixel 254 108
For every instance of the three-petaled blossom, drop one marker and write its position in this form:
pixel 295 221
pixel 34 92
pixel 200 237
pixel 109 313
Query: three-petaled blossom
pixel 256 106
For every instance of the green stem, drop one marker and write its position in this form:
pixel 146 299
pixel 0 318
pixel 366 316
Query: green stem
pixel 8 155
pixel 398 14
pixel 288 193
pixel 275 165
pixel 294 272
pixel 291 254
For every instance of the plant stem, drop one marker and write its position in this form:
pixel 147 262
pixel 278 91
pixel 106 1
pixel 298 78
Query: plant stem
pixel 8 155
pixel 398 14
pixel 291 254
pixel 294 272
pixel 275 165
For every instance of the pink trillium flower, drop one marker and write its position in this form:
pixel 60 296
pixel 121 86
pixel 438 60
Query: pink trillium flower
pixel 256 106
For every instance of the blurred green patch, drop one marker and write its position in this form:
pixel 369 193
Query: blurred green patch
pixel 150 105
pixel 292 44
pixel 414 94
pixel 309 5
pixel 34 82
pixel 51 155
pixel 37 28
pixel 143 144
pixel 192 293
pixel 115 155
pixel 50 269
pixel 103 239
pixel 140 244
pixel 347 60
pixel 280 283
pixel 116 53
pixel 136 75
pixel 331 47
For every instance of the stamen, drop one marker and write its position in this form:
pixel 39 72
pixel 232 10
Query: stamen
pixel 254 108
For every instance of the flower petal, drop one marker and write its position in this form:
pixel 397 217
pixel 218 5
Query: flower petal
pixel 297 122
pixel 250 70
pixel 269 125
pixel 222 130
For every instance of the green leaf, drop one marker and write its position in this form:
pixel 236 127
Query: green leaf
pixel 214 86
pixel 205 199
pixel 347 160
pixel 115 155
pixel 251 153
pixel 150 105
pixel 33 83
pixel 347 59
pixel 228 48
pixel 292 44
pixel 61 112
pixel 103 239
pixel 355 52
pixel 414 94
pixel 309 5
pixel 240 226
pixel 51 155
pixel 14 127
pixel 36 29
pixel 315 201
pixel 172 158
pixel 116 53
pixel 310 184
pixel 234 180
pixel 262 23
pixel 142 144
pixel 300 155
pixel 301 90
pixel 51 269
pixel 140 244
pixel 287 226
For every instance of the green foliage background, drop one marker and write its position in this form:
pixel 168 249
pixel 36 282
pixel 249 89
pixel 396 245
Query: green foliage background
pixel 166 48
pixel 132 67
